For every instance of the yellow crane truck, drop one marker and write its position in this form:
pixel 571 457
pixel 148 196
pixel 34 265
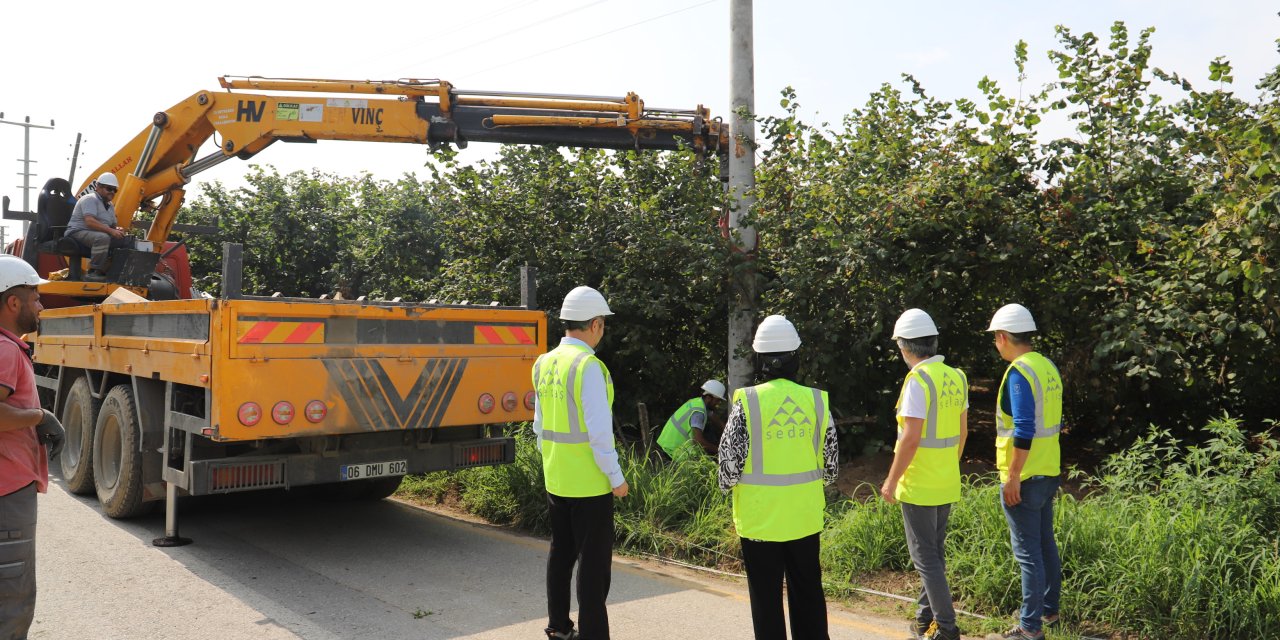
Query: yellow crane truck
pixel 200 396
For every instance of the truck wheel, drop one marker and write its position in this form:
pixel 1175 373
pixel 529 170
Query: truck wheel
pixel 362 490
pixel 78 417
pixel 117 463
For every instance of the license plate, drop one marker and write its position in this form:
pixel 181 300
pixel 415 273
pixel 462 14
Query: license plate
pixel 375 470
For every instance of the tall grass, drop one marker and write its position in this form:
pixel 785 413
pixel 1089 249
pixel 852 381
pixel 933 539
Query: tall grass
pixel 1170 540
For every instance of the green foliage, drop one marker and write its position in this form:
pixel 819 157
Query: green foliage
pixel 1144 242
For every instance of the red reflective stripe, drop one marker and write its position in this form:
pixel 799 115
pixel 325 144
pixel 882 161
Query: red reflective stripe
pixel 258 333
pixel 522 335
pixel 304 331
pixel 490 336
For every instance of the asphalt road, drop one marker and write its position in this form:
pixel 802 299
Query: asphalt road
pixel 277 567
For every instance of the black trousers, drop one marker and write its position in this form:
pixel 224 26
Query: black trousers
pixel 581 533
pixel 768 563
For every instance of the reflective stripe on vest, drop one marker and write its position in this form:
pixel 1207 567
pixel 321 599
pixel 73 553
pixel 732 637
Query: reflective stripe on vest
pixel 757 475
pixel 577 433
pixel 929 439
pixel 1037 393
pixel 681 421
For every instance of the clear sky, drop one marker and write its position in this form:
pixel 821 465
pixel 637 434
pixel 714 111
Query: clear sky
pixel 102 69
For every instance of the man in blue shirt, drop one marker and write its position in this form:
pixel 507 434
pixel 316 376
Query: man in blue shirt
pixel 1028 456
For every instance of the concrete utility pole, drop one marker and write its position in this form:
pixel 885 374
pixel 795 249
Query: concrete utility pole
pixel 742 182
pixel 25 160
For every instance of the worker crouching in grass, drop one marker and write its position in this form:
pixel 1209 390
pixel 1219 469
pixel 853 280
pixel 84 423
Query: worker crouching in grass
pixel 778 448
pixel 925 477
pixel 686 430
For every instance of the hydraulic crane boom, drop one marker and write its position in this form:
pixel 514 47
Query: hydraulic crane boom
pixel 155 166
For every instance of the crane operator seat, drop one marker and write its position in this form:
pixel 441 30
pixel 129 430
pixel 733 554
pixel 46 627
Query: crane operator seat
pixel 53 213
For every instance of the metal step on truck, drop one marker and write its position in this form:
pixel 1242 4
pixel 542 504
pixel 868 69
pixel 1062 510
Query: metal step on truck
pixel 240 393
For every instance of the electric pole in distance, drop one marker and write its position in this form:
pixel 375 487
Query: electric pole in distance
pixel 25 160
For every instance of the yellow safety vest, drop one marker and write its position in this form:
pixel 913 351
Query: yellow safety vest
pixel 779 496
pixel 678 431
pixel 1045 457
pixel 933 477
pixel 568 465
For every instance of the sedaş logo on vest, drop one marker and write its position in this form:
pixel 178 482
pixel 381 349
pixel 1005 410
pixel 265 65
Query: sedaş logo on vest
pixel 551 384
pixel 789 421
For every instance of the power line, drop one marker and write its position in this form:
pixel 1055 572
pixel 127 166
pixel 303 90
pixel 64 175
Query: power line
pixel 587 39
pixel 507 33
pixel 455 29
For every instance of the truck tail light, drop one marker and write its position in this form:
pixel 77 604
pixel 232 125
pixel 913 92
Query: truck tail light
pixel 250 414
pixel 316 411
pixel 282 413
pixel 509 401
pixel 485 404
pixel 528 400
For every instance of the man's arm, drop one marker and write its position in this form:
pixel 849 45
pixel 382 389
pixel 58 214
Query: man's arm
pixel 599 417
pixel 12 418
pixel 1023 407
pixel 95 224
pixel 911 407
pixel 733 449
pixel 902 458
pixel 698 422
pixel 831 453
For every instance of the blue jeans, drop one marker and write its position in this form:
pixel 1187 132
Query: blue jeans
pixel 1031 531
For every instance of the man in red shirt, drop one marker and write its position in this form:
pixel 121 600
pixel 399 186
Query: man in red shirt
pixel 25 432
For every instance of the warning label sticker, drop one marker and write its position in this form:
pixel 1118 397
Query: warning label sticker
pixel 287 111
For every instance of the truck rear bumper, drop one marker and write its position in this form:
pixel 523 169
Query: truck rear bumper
pixel 249 473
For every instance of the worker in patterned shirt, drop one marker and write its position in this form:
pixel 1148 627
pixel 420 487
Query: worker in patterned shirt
pixel 777 451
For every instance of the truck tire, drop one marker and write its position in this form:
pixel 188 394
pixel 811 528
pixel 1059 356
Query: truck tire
pixel 79 415
pixel 117 463
pixel 361 490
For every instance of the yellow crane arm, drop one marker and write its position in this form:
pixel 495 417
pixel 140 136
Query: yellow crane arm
pixel 255 112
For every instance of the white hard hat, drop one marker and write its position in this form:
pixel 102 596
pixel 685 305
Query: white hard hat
pixel 1013 318
pixel 914 323
pixel 714 387
pixel 584 303
pixel 775 334
pixel 16 272
pixel 108 179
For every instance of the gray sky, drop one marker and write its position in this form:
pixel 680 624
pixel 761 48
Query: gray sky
pixel 104 69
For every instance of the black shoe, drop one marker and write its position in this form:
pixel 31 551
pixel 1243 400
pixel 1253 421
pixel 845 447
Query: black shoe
pixel 938 633
pixel 95 276
pixel 571 634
